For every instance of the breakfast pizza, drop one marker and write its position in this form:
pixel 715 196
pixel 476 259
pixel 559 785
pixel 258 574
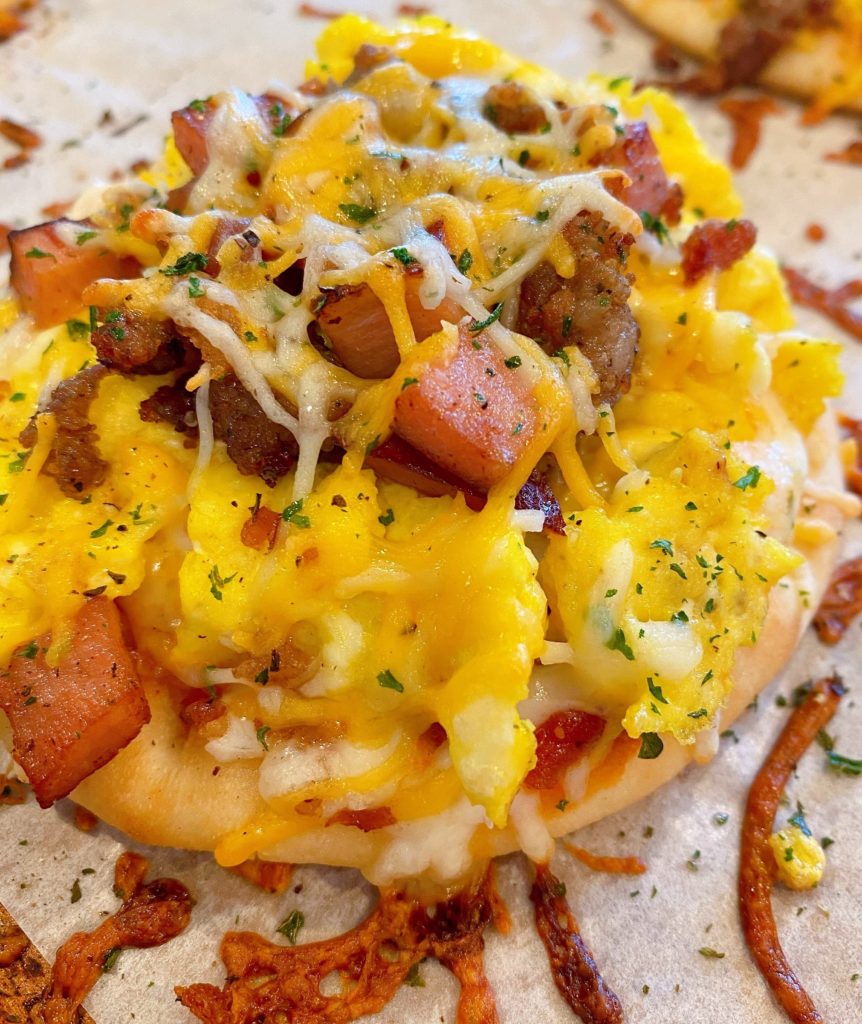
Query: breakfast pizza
pixel 406 469
pixel 808 48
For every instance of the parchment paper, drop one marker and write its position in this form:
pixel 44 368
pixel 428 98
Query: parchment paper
pixel 139 60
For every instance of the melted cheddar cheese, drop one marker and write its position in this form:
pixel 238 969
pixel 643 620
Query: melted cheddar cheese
pixel 405 610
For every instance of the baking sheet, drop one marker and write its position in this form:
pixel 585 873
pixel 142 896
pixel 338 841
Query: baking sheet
pixel 98 80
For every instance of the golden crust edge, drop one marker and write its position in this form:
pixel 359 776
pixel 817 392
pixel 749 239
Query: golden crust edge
pixel 691 27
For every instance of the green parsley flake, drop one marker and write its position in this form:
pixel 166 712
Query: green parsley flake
pixel 291 926
pixel 388 681
pixel 186 264
pixel 408 382
pixel 651 746
pixel 38 254
pixel 513 362
pixel 218 582
pixel 465 261
pixel 196 289
pixel 84 236
pixel 656 691
pixel 749 479
pixel 358 213
pixel 100 531
pixel 710 954
pixel 403 256
pixel 261 736
pixel 617 642
pixel 478 326
pixel 387 519
pixel 292 514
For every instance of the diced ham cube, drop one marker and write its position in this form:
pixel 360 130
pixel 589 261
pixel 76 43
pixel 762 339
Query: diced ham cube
pixel 355 322
pixel 472 415
pixel 70 720
pixel 50 275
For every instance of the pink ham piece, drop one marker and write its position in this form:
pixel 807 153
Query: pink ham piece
pixel 49 275
pixel 70 720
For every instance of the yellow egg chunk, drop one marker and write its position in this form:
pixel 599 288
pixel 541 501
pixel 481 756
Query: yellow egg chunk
pixel 799 858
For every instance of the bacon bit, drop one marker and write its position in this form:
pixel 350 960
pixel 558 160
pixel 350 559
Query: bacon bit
pixel 268 982
pixel 536 494
pixel 610 865
pixel 153 914
pixel 12 791
pixel 57 210
pixel 367 819
pixel 665 57
pixel 561 741
pixel 12 163
pixel 10 18
pixel 397 460
pixel 833 303
pixel 270 875
pixel 412 10
pixel 853 473
pixel 650 189
pixel 815 232
pixel 201 710
pixel 716 244
pixel 599 20
pixel 10 24
pixel 129 873
pixel 85 821
pixel 312 11
pixel 851 154
pixel 841 603
pixel 261 528
pixel 572 965
pixel 757 864
pixel 746 117
pixel 19 135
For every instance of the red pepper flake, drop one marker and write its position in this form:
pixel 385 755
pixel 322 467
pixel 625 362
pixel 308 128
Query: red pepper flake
pixel 270 875
pixel 19 135
pixel 600 21
pixel 572 965
pixel 833 303
pixel 610 865
pixel 746 116
pixel 841 603
pixel 851 154
pixel 757 864
pixel 815 232
pixel 313 11
pixel 367 819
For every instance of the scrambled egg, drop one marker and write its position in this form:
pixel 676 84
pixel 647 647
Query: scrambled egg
pixel 421 609
pixel 799 858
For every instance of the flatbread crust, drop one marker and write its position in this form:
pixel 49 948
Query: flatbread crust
pixel 695 25
pixel 162 789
